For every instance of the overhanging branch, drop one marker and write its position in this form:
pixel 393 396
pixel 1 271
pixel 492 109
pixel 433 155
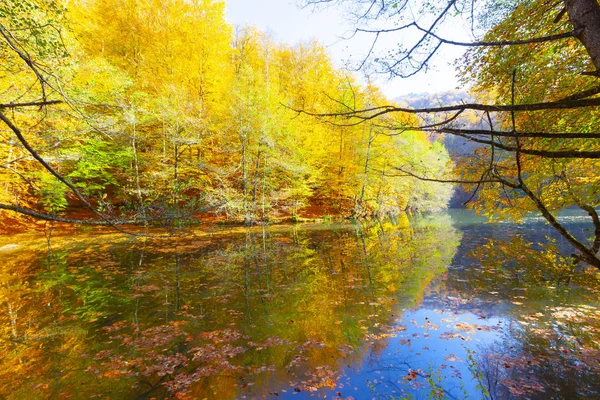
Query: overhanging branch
pixel 588 154
pixel 541 135
pixel 30 104
pixel 374 112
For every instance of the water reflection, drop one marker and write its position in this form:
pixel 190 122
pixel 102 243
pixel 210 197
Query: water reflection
pixel 219 317
pixel 551 348
pixel 384 310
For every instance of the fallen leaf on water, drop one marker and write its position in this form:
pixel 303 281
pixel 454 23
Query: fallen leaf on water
pixel 452 357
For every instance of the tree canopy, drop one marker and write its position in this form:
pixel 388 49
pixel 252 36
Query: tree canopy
pixel 162 112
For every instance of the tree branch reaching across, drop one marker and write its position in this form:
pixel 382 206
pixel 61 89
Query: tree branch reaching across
pixel 31 104
pixel 552 124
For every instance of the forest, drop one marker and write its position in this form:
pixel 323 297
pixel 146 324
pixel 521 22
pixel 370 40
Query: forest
pixel 162 113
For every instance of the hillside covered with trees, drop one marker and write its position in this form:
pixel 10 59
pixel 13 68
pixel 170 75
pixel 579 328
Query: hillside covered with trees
pixel 161 111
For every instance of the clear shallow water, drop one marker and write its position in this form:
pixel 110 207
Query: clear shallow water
pixel 409 309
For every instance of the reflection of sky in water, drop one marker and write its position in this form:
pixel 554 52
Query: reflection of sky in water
pixel 436 339
pixel 432 342
pixel 435 342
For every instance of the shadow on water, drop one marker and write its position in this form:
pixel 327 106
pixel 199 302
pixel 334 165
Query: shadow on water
pixel 386 310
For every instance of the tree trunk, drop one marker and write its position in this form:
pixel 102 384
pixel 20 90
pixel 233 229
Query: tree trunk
pixel 135 162
pixel 256 178
pixel 245 179
pixel 585 18
pixel 366 172
pixel 175 174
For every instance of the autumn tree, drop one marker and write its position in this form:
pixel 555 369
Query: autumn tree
pixel 35 58
pixel 534 67
pixel 157 112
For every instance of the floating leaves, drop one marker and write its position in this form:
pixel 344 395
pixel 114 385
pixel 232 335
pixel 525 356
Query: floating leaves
pixel 453 358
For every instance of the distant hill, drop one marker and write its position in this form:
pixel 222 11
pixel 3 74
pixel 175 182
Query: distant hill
pixel 427 100
pixel 456 145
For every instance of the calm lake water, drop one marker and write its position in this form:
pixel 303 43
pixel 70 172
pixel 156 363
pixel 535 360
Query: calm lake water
pixel 444 306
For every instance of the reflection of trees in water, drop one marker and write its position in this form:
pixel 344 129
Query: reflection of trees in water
pixel 400 375
pixel 541 363
pixel 51 303
pixel 265 307
pixel 551 348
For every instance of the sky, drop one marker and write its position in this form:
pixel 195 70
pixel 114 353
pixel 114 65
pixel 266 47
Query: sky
pixel 286 22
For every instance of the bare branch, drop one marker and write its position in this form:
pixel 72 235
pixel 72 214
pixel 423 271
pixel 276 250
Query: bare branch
pixel 501 43
pixel 588 154
pixel 484 132
pixel 583 94
pixel 458 181
pixel 31 104
pixel 14 171
pixel 374 112
pixel 560 15
pixel 46 217
pixel 53 218
pixel 12 43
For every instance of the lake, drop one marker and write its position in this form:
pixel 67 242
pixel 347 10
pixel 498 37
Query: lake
pixel 443 306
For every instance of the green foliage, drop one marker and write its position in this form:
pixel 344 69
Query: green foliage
pixel 102 164
pixel 35 25
pixel 52 193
